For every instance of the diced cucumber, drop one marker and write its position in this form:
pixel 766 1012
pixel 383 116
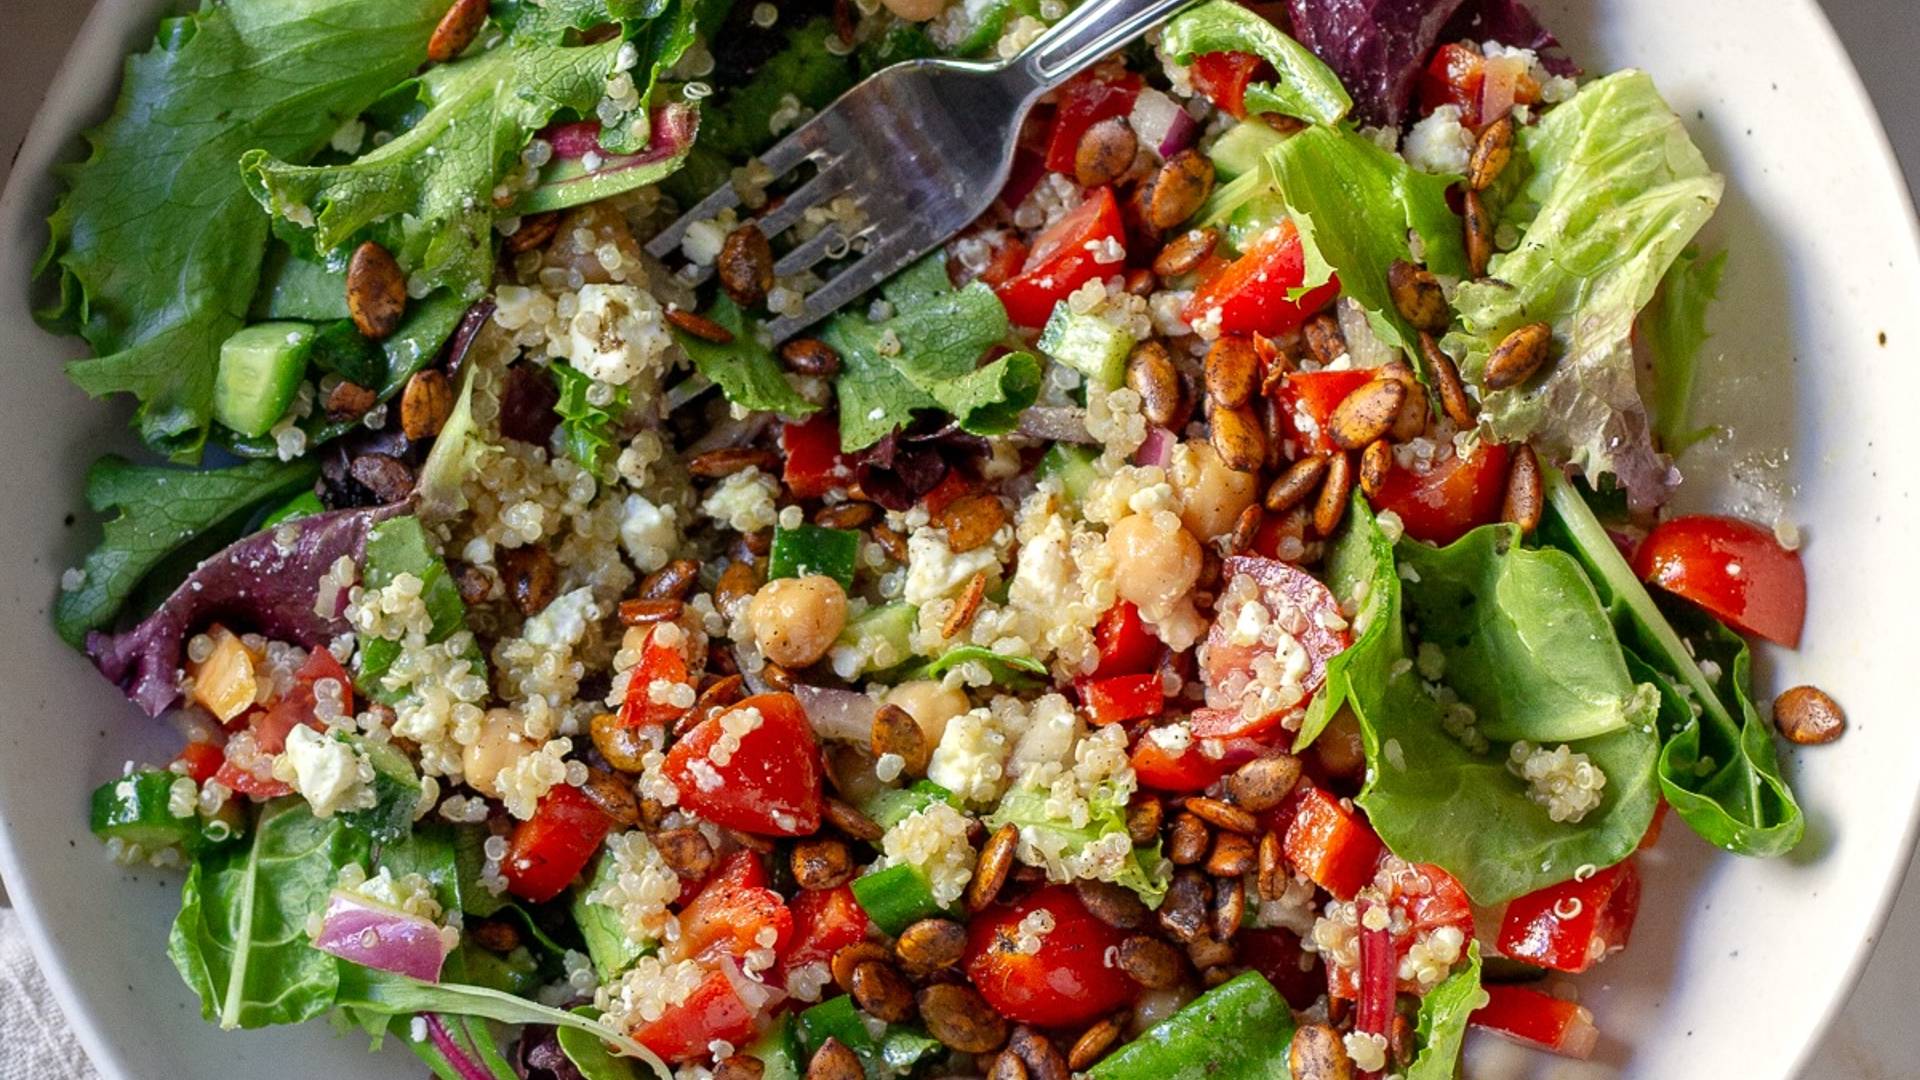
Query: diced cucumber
pixel 882 636
pixel 135 809
pixel 778 1051
pixel 1089 344
pixel 893 1053
pixel 811 549
pixel 260 370
pixel 1072 466
pixel 894 805
pixel 896 897
pixel 1238 1030
pixel 612 951
pixel 1254 217
pixel 1241 148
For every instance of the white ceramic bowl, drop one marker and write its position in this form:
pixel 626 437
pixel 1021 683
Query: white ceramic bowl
pixel 1736 964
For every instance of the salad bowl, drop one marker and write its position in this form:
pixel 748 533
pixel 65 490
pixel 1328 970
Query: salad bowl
pixel 1738 964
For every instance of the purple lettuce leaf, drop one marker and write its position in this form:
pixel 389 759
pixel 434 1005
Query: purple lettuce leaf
pixel 1511 24
pixel 266 583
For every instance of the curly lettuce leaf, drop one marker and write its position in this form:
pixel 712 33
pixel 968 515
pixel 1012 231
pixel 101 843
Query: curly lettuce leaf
pixel 587 430
pixel 1051 838
pixel 1616 192
pixel 665 30
pixel 156 244
pixel 744 368
pixel 1676 330
pixel 398 546
pixel 927 356
pixel 1307 88
pixel 161 511
pixel 1442 1028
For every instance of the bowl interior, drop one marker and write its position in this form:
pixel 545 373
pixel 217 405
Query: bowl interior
pixel 1811 371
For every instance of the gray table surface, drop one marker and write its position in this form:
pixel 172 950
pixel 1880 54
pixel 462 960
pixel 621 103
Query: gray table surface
pixel 1876 1038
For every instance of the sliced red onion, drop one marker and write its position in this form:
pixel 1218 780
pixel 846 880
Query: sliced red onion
pixel 376 936
pixel 1162 123
pixel 1157 448
pixel 838 714
pixel 731 432
pixel 1057 423
pixel 571 142
pixel 757 996
pixel 451 1050
pixel 1379 976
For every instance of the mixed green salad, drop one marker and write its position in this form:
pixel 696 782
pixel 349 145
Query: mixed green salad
pixel 1217 616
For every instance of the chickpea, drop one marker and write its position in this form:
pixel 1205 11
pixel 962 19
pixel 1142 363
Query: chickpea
pixel 916 10
pixel 502 742
pixel 931 704
pixel 1212 496
pixel 1155 560
pixel 795 620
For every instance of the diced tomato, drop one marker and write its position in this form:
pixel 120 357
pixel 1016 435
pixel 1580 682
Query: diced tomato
pixel 685 1031
pixel 1537 1019
pixel 202 760
pixel 1123 697
pixel 1253 294
pixel 659 663
pixel 1447 502
pixel 1007 254
pixel 1575 924
pixel 1308 398
pixel 1301 611
pixel 733 912
pixel 1734 569
pixel 1224 77
pixel 769 785
pixel 550 849
pixel 1329 844
pixel 1453 78
pixel 1422 899
pixel 1086 100
pixel 1126 646
pixel 951 487
pixel 1061 260
pixel 824 922
pixel 1066 981
pixel 814 465
pixel 1652 835
pixel 267 729
pixel 1276 953
pixel 1161 769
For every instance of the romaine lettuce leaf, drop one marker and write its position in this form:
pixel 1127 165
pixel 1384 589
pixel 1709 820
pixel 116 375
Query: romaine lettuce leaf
pixel 1442 1029
pixel 402 546
pixel 156 244
pixel 743 368
pixel 1676 329
pixel 1307 88
pixel 1361 558
pixel 1617 190
pixel 1102 840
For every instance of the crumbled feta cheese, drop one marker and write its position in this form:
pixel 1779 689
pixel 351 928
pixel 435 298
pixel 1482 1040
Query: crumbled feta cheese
pixel 1440 142
pixel 617 332
pixel 650 533
pixel 329 773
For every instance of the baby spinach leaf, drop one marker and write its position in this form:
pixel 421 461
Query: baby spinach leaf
pixel 743 368
pixel 1442 1027
pixel 1307 88
pixel 1361 559
pixel 607 942
pixel 738 122
pixel 160 511
pixel 1719 768
pixel 591 1056
pixel 156 244
pixel 240 939
pixel 401 546
pixel 1676 329
pixel 1008 671
pixel 587 430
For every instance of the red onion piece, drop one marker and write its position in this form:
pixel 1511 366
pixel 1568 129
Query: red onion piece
pixel 846 715
pixel 1503 74
pixel 1057 423
pixel 571 142
pixel 1373 1013
pixel 450 1049
pixel 1162 123
pixel 1157 449
pixel 376 936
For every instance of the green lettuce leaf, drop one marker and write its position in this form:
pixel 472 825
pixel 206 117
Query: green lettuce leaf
pixel 587 431
pixel 612 951
pixel 739 119
pixel 240 940
pixel 1361 557
pixel 401 546
pixel 1056 838
pixel 744 368
pixel 1354 204
pixel 1431 796
pixel 927 356
pixel 1442 1028
pixel 1719 768
pixel 661 31
pixel 161 511
pixel 156 244
pixel 1676 329
pixel 1307 88
pixel 1617 190
pixel 1012 672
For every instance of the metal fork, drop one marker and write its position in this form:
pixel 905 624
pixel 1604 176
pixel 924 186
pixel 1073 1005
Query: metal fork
pixel 923 148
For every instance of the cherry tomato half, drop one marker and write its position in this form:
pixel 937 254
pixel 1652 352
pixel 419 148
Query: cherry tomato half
pixel 1063 981
pixel 768 785
pixel 1734 569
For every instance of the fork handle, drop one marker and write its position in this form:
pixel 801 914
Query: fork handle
pixel 1089 32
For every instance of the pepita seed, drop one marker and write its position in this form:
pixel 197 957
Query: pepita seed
pixel 1293 486
pixel 1518 356
pixel 931 944
pixel 621 745
pixel 810 356
pixel 1376 461
pixel 851 821
pixel 1183 914
pixel 1093 1044
pixel 1491 152
pixel 1246 529
pixel 1105 153
pixel 1222 815
pixel 456 30
pixel 745 266
pixel 739 1067
pixel 821 864
pixel 383 474
pixel 1144 815
pixel 1233 855
pixel 1317 1053
pixel 1230 902
pixel 672 581
pixel 686 851
pixel 1411 422
pixel 1526 495
pixel 1808 717
pixel 531 576
pixel 1265 782
pixel 1331 508
pixel 1151 374
pixel 971 521
pixel 1417 296
pixel 896 732
pixel 724 462
pixel 425 404
pixel 493 935
pixel 1239 438
pixel 850 957
pixel 1037 1052
pixel 891 542
pixel 535 231
pixel 1187 839
pixel 699 326
pixel 1325 342
pixel 1232 372
pixel 1366 414
pixel 1184 253
pixel 1207 951
pixel 1479 233
pixel 1454 399
pixel 996 859
pixel 737 583
pixel 1007 1065
pixel 376 291
pixel 1150 962
pixel 966 607
pixel 961 1019
pixel 349 401
pixel 614 796
pixel 882 993
pixel 1271 868
pixel 642 611
pixel 1140 282
pixel 834 1061
pixel 846 515
pixel 1179 189
pixel 1115 905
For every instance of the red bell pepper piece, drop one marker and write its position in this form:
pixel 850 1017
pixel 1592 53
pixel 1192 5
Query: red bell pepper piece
pixel 550 849
pixel 951 487
pixel 685 1031
pixel 1123 697
pixel 1253 295
pixel 1537 1019
pixel 768 785
pixel 1126 646
pixel 1086 100
pixel 202 760
pixel 659 663
pixel 824 922
pixel 1734 569
pixel 1061 260
pixel 1575 924
pixel 1308 398
pixel 1190 769
pixel 1224 77
pixel 814 465
pixel 729 914
pixel 1453 78
pixel 1065 982
pixel 1447 502
pixel 1329 844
